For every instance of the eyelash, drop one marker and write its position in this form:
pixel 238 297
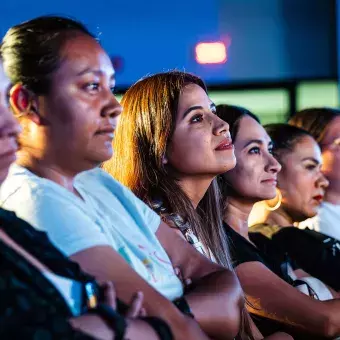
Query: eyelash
pixel 310 167
pixel 254 151
pixel 200 116
pixel 95 87
pixel 257 151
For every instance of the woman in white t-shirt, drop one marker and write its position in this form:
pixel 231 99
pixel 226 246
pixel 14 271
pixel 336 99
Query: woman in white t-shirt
pixel 324 125
pixel 62 95
pixel 41 291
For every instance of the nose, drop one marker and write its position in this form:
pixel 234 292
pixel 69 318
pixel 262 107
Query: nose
pixel 9 126
pixel 220 127
pixel 112 109
pixel 273 166
pixel 322 181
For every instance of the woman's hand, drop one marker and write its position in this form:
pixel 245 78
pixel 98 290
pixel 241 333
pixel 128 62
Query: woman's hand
pixel 135 306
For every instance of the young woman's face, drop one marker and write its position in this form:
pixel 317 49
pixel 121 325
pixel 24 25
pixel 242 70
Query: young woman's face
pixel 331 150
pixel 301 182
pixel 9 128
pixel 255 176
pixel 201 143
pixel 80 110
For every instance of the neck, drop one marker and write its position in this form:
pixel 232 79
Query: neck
pixel 195 188
pixel 236 215
pixel 280 217
pixel 333 192
pixel 48 169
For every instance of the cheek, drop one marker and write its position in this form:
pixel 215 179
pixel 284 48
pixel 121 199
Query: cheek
pixel 188 151
pixel 243 179
pixel 296 189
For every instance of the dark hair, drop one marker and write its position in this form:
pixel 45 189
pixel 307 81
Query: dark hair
pixel 141 140
pixel 285 137
pixel 233 114
pixel 31 50
pixel 314 120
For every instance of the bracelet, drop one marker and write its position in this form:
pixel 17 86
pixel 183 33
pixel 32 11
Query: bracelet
pixel 159 326
pixel 114 320
pixel 183 306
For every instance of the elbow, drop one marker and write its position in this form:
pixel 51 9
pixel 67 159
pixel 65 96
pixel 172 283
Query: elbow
pixel 234 305
pixel 330 327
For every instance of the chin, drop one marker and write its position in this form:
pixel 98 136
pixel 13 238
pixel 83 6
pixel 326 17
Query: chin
pixel 102 155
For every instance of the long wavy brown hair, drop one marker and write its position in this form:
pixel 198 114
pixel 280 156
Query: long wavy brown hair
pixel 141 140
pixel 143 134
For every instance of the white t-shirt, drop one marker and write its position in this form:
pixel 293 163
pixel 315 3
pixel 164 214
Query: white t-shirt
pixel 326 222
pixel 110 214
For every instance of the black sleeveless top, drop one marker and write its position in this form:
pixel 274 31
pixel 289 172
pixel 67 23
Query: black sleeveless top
pixel 244 251
pixel 30 306
pixel 314 252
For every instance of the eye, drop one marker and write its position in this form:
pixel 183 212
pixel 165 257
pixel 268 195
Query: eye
pixel 197 118
pixel 113 90
pixel 254 150
pixel 92 87
pixel 271 150
pixel 310 167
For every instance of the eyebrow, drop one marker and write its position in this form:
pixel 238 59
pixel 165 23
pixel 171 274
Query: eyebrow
pixel 311 159
pixel 197 107
pixel 256 141
pixel 95 72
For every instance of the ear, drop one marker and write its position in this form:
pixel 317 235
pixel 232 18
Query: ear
pixel 24 103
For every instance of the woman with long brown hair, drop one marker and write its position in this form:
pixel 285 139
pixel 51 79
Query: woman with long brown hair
pixel 169 147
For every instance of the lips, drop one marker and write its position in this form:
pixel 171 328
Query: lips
pixel 106 131
pixel 272 181
pixel 318 198
pixel 226 144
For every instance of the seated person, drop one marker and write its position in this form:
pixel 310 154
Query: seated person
pixel 160 164
pixel 42 293
pixel 274 302
pixel 323 124
pixel 301 188
pixel 62 96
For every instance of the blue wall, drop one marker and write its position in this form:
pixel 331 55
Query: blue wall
pixel 270 39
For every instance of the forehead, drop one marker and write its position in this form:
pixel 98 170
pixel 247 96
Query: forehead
pixel 191 95
pixel 4 81
pixel 305 147
pixel 250 129
pixel 82 52
pixel 332 130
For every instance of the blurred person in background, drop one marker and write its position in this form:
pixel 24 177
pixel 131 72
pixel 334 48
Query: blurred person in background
pixel 324 125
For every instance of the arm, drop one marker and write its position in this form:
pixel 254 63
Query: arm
pixel 275 299
pixel 217 297
pixel 107 265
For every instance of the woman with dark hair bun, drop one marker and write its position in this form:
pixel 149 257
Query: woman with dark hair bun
pixel 63 97
pixel 301 188
pixel 268 281
pixel 323 124
pixel 40 289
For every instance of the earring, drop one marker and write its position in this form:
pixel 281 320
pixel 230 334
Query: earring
pixel 164 160
pixel 275 203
